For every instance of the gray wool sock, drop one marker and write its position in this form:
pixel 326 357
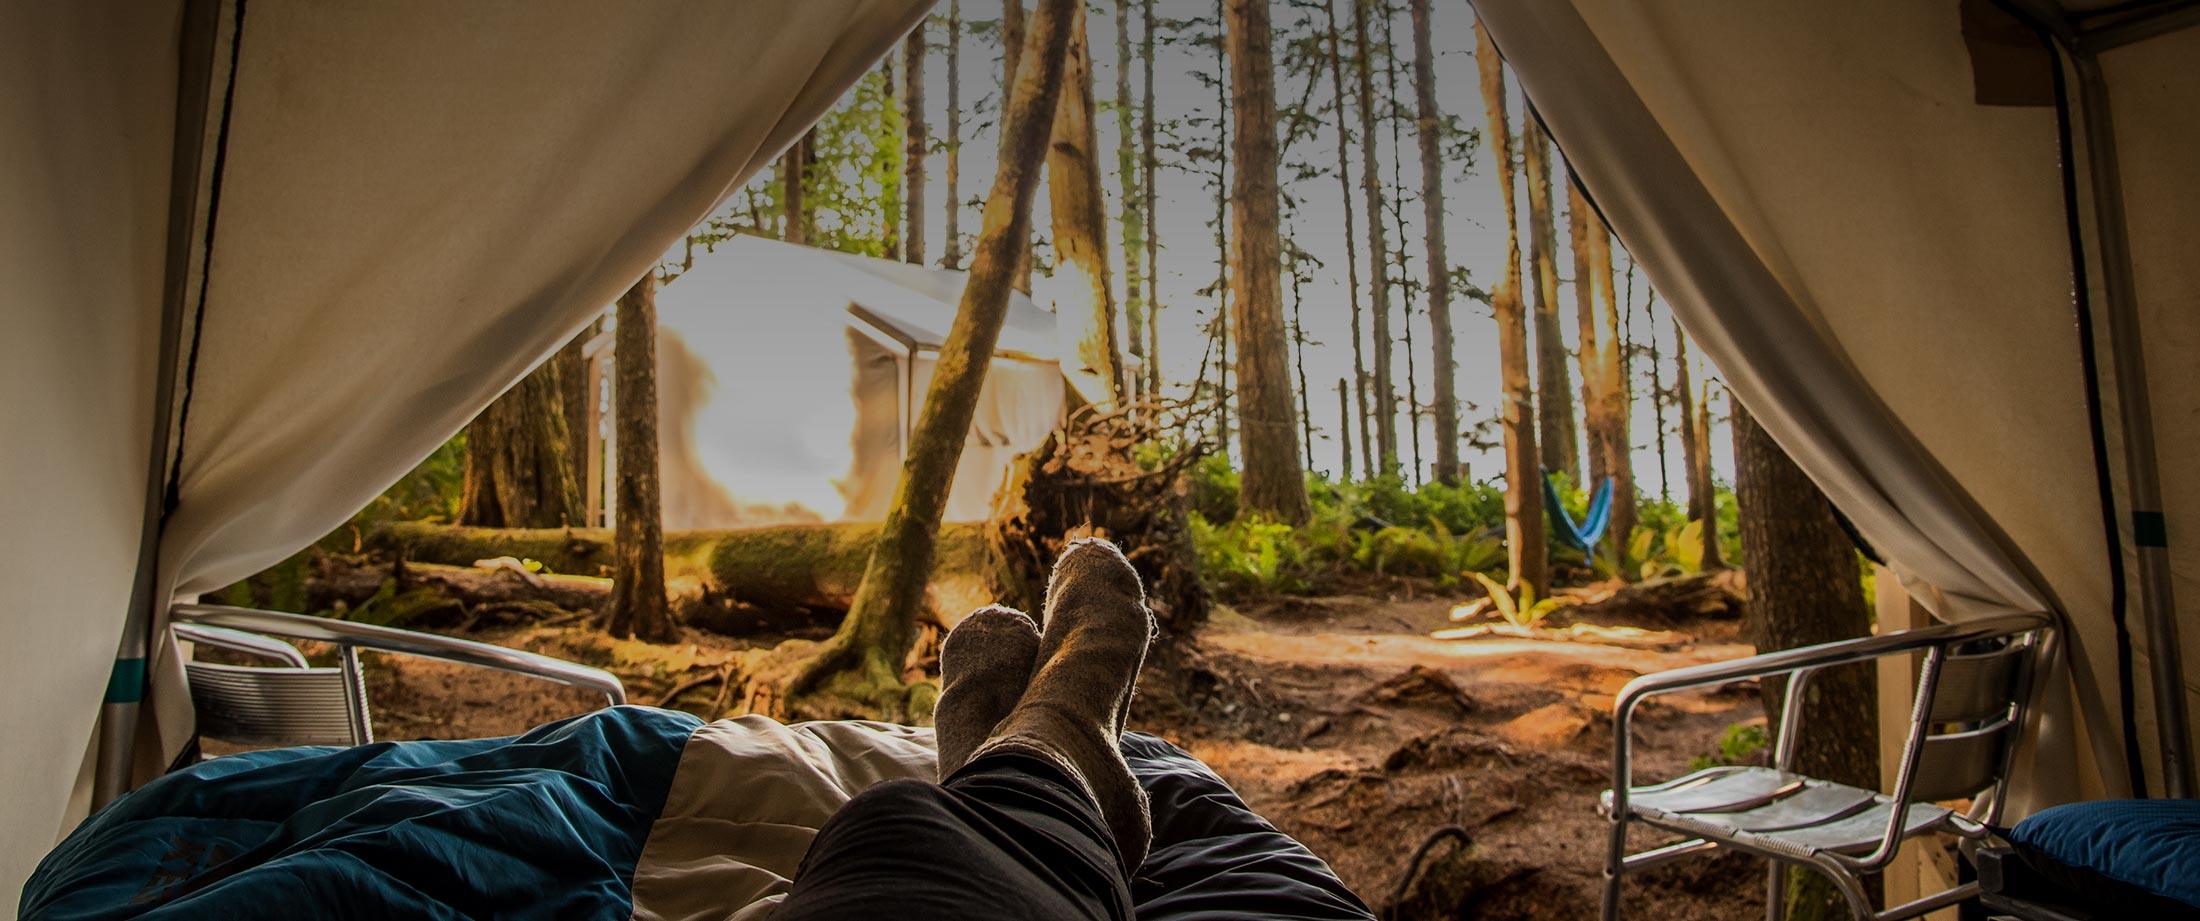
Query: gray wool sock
pixel 985 664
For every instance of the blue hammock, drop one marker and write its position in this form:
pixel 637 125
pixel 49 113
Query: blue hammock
pixel 1585 534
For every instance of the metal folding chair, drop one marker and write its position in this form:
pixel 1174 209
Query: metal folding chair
pixel 1972 692
pixel 296 703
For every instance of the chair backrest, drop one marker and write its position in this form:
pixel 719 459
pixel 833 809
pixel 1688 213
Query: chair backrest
pixel 255 705
pixel 293 704
pixel 1975 717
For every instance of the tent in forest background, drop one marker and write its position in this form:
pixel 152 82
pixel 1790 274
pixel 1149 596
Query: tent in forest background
pixel 751 336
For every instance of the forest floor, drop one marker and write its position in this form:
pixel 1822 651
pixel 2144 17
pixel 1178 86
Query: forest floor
pixel 1337 717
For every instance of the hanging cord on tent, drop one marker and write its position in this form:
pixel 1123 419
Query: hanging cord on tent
pixel 1413 865
pixel 2089 362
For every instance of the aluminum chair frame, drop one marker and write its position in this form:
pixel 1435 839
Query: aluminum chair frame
pixel 252 631
pixel 1801 664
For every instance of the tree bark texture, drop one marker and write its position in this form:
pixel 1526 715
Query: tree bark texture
pixel 1081 228
pixel 1429 121
pixel 951 247
pixel 1133 215
pixel 919 143
pixel 1378 256
pixel 1013 28
pixel 1695 428
pixel 1593 425
pixel 1149 166
pixel 1351 239
pixel 1619 446
pixel 1274 479
pixel 869 648
pixel 1526 548
pixel 638 607
pixel 519 460
pixel 1805 587
pixel 1554 382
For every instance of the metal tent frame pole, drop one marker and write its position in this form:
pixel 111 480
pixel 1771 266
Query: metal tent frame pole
pixel 2082 43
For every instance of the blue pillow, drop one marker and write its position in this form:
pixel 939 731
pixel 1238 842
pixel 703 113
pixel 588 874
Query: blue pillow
pixel 2100 848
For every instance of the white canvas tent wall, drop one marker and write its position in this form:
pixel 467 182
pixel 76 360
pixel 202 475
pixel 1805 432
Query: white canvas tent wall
pixel 789 379
pixel 1882 267
pixel 263 257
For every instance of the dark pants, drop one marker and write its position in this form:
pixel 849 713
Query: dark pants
pixel 1009 837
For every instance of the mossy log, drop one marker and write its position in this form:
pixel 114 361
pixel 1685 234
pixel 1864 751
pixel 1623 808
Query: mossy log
pixel 765 579
pixel 352 581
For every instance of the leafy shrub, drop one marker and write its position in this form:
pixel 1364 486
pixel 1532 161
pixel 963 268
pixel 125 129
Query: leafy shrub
pixel 1250 556
pixel 1741 743
pixel 1213 486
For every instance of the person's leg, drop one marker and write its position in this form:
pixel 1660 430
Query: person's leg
pixel 1045 820
pixel 1007 837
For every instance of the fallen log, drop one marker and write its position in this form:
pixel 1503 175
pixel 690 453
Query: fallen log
pixel 738 581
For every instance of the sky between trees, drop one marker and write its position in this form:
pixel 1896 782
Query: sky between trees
pixel 1187 101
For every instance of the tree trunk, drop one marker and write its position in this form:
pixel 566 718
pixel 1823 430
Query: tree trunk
pixel 1219 325
pixel 912 158
pixel 1012 52
pixel 1378 257
pixel 890 197
pixel 1658 397
pixel 1619 461
pixel 1298 360
pixel 1590 346
pixel 1401 257
pixel 1274 481
pixel 519 456
pixel 1344 429
pixel 951 247
pixel 638 606
pixel 1526 549
pixel 1351 239
pixel 795 221
pixel 1695 426
pixel 575 396
pixel 1430 123
pixel 1149 165
pixel 1554 383
pixel 863 660
pixel 1081 229
pixel 1805 587
pixel 1133 217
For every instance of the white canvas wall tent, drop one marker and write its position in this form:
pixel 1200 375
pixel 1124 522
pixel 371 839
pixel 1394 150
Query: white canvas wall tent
pixel 1943 252
pixel 789 379
pixel 263 256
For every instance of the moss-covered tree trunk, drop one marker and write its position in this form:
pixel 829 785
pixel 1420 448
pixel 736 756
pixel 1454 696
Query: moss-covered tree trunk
pixel 1274 480
pixel 1378 256
pixel 862 662
pixel 1334 48
pixel 1554 383
pixel 1429 124
pixel 918 144
pixel 1805 587
pixel 638 607
pixel 1527 551
pixel 1081 229
pixel 519 455
pixel 1588 344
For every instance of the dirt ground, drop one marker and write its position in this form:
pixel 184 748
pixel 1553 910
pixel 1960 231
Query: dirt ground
pixel 1336 717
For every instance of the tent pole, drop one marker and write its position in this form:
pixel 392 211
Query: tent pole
pixel 2157 603
pixel 118 715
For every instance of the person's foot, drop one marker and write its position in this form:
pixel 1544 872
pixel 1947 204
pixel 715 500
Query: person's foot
pixel 985 664
pixel 1096 633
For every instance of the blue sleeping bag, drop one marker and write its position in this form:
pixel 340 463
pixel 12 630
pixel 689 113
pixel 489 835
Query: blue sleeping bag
pixel 544 825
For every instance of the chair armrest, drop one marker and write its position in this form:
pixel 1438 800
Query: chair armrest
pixel 1787 661
pixel 239 641
pixel 408 642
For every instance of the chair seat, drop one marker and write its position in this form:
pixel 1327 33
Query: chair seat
pixel 1772 811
